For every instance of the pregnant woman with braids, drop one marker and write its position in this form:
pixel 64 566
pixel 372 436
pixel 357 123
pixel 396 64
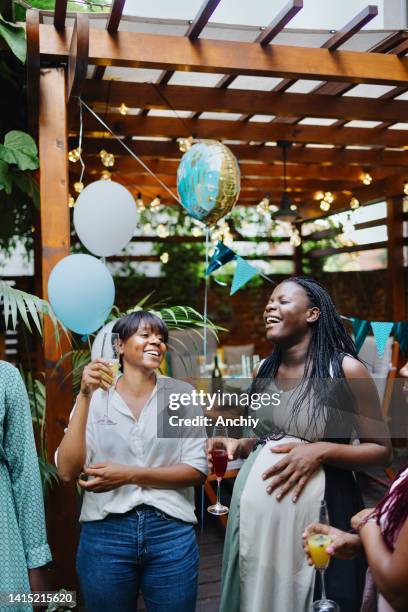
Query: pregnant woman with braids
pixel 301 453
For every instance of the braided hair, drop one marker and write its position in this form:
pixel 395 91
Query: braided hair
pixel 328 344
pixel 393 508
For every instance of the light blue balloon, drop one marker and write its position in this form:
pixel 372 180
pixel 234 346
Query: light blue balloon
pixel 81 292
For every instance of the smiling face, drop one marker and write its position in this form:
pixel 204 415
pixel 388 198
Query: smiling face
pixel 288 313
pixel 144 349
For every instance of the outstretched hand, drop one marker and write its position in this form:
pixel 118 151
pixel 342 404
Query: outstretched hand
pixel 343 545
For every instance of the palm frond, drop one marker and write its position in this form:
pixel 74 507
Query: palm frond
pixel 79 359
pixel 30 308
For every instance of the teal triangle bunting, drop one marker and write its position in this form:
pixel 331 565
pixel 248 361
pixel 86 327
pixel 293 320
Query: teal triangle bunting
pixel 360 329
pixel 401 334
pixel 381 330
pixel 243 273
pixel 221 256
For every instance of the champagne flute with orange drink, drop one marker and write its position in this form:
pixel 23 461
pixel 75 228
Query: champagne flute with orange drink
pixel 317 544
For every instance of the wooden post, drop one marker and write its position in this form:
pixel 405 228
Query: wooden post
pixel 396 308
pixel 298 254
pixel 55 234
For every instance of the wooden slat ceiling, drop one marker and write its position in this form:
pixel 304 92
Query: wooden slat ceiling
pixel 337 137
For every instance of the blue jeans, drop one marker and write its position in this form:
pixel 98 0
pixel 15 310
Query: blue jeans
pixel 145 550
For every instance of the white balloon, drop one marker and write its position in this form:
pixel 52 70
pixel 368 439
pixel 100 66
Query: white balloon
pixel 97 343
pixel 105 217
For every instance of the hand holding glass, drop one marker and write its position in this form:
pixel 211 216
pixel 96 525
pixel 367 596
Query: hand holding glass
pixel 317 544
pixel 219 456
pixel 110 352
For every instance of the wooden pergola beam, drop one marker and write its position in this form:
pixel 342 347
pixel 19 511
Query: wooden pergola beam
pixel 60 14
pixel 112 26
pixel 247 185
pixel 244 152
pixel 193 32
pixel 180 97
pixel 55 234
pixel 33 68
pixel 248 131
pixel 78 56
pixel 271 31
pixel 138 50
pixel 279 22
pixel 201 19
pixel 338 39
pixel 396 303
pixel 351 28
pixel 256 172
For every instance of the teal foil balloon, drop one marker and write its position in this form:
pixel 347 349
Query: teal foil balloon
pixel 208 181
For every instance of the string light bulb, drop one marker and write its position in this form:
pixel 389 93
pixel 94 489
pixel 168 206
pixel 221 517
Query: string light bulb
pixel 71 202
pixel 367 179
pixel 354 203
pixel 328 197
pixel 295 240
pixel 155 203
pixel 325 205
pixel 162 231
pixel 164 257
pixel 78 186
pixel 406 188
pixel 293 207
pixel 185 144
pixel 106 175
pixel 108 159
pixel 139 202
pixel 75 155
pixel 347 237
pixel 123 109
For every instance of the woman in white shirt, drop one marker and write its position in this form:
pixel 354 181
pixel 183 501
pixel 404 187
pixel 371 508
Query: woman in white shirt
pixel 138 510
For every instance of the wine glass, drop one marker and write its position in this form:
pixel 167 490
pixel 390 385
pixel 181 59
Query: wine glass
pixel 317 544
pixel 219 455
pixel 110 352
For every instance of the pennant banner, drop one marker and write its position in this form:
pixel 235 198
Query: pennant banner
pixel 360 329
pixel 401 334
pixel 381 330
pixel 243 273
pixel 221 256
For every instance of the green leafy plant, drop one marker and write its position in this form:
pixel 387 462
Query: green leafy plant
pixel 29 307
pixel 15 38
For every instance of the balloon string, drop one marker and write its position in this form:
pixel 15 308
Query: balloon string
pixel 207 279
pixel 82 103
pixel 207 247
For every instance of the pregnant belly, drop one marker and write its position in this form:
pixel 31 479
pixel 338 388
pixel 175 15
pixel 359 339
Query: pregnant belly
pixel 281 522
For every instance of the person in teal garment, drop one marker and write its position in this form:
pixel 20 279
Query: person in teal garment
pixel 23 541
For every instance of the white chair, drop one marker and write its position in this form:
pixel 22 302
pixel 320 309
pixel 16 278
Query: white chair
pixel 383 370
pixel 379 367
pixel 185 346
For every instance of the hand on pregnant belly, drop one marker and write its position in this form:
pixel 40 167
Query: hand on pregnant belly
pixel 295 469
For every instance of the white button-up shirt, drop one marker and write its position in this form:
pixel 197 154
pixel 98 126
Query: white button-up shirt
pixel 135 442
